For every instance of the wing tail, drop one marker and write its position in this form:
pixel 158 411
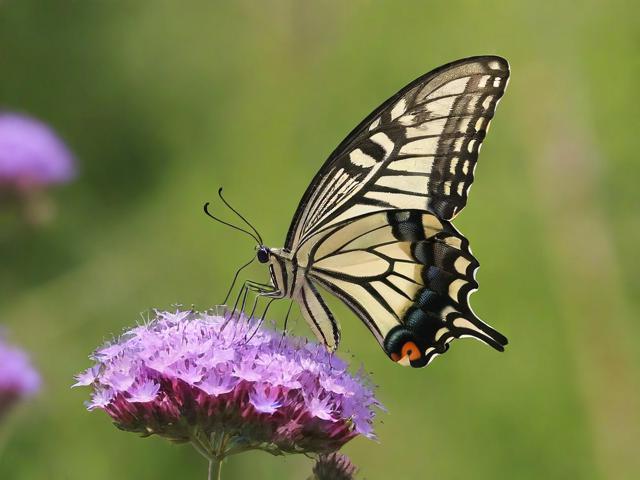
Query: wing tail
pixel 471 326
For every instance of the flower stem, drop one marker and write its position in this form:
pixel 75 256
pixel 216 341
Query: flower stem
pixel 215 467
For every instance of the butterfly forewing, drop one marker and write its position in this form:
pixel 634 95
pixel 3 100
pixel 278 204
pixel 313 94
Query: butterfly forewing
pixel 416 151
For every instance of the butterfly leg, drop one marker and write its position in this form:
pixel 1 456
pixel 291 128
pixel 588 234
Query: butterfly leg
pixel 255 305
pixel 261 319
pixel 235 278
pixel 286 320
pixel 261 289
pixel 241 293
pixel 247 286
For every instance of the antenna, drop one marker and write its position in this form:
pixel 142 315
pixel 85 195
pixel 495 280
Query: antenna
pixel 240 215
pixel 206 210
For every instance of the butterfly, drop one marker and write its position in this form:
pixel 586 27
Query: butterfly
pixel 374 226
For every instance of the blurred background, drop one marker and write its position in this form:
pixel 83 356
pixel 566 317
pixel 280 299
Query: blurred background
pixel 163 102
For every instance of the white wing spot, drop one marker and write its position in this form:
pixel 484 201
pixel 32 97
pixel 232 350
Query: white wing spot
pixel 496 82
pixel 437 337
pixel 494 65
pixel 461 264
pixel 479 124
pixel 471 145
pixel 374 124
pixel 460 188
pixel 361 159
pixel 487 102
pixel 454 242
pixel 452 166
pixel 455 286
pixel 465 167
pixel 483 81
pixel 463 125
pixel 384 141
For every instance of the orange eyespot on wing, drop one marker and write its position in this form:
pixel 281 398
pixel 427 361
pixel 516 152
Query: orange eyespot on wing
pixel 411 350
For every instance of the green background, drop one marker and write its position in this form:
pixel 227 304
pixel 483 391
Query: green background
pixel 162 102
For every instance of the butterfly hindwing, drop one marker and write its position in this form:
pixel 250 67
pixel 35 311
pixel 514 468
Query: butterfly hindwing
pixel 416 151
pixel 408 275
pixel 318 316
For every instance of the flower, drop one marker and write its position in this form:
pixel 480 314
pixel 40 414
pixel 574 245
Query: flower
pixel 31 153
pixel 18 378
pixel 334 466
pixel 229 385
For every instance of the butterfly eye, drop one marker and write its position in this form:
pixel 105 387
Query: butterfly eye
pixel 263 255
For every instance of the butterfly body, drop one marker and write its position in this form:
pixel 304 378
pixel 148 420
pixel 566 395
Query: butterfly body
pixel 374 227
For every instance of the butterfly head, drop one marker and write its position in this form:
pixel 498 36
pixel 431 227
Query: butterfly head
pixel 262 253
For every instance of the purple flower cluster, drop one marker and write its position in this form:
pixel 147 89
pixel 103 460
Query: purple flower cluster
pixel 31 153
pixel 18 378
pixel 229 386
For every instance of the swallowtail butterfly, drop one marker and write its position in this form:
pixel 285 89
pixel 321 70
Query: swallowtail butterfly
pixel 374 227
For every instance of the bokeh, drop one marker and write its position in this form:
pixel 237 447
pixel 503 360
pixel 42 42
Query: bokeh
pixel 163 102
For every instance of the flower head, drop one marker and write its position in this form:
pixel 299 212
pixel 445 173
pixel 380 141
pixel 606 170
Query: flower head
pixel 334 466
pixel 229 386
pixel 31 153
pixel 18 379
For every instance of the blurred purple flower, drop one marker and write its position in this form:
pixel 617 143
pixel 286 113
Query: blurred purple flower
pixel 31 153
pixel 18 378
pixel 228 388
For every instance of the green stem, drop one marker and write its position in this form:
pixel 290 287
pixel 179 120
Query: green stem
pixel 215 467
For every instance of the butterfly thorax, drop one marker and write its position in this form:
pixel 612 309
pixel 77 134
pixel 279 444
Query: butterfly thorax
pixel 286 274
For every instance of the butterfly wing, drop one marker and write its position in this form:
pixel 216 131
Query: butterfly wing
pixel 317 315
pixel 418 150
pixel 407 275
